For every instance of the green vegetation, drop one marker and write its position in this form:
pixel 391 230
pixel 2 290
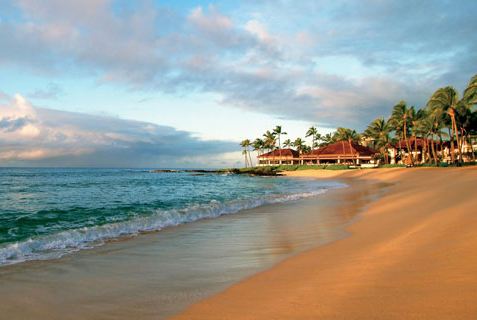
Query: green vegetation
pixel 395 165
pixel 445 118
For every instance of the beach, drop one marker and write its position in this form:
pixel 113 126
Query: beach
pixel 411 255
pixel 157 274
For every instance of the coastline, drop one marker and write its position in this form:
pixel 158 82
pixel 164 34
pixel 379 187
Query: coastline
pixel 411 255
pixel 158 274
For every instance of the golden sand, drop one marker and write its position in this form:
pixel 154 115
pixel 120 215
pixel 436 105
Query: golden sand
pixel 412 255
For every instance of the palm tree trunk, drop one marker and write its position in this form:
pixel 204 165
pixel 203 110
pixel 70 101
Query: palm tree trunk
pixel 415 147
pixel 424 150
pixel 351 152
pixel 434 153
pixel 469 139
pixel 408 146
pixel 456 132
pixel 451 135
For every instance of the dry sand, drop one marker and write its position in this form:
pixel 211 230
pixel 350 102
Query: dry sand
pixel 412 255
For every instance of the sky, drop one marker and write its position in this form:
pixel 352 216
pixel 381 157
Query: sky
pixel 117 83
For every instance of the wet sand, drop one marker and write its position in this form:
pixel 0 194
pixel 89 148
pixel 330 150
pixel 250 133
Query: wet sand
pixel 159 274
pixel 412 255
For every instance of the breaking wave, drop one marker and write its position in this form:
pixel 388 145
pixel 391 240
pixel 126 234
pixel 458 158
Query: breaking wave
pixel 58 244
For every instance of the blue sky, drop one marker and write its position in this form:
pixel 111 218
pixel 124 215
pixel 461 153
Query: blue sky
pixel 155 77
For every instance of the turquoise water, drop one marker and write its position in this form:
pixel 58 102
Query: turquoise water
pixel 46 213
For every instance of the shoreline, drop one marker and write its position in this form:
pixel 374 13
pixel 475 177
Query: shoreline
pixel 410 255
pixel 158 274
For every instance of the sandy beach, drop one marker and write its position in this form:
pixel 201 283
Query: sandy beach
pixel 411 255
pixel 159 274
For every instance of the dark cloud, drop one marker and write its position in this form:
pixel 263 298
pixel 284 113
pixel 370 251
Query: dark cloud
pixel 11 125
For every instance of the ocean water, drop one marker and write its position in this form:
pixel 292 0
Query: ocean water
pixel 47 213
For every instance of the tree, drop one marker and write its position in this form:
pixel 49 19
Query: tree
pixel 258 146
pixel 400 122
pixel 287 143
pixel 470 92
pixel 444 101
pixel 378 131
pixel 270 140
pixel 313 133
pixel 278 133
pixel 326 139
pixel 416 117
pixel 299 144
pixel 345 134
pixel 245 144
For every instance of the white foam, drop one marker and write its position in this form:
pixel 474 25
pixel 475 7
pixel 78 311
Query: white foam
pixel 61 243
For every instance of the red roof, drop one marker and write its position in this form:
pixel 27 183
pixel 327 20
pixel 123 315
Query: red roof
pixel 343 148
pixel 280 152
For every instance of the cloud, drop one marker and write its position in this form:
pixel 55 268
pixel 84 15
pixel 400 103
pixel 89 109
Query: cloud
pixel 37 136
pixel 267 56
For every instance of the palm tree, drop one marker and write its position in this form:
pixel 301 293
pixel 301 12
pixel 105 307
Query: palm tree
pixel 423 125
pixel 270 140
pixel 278 133
pixel 326 139
pixel 470 93
pixel 467 117
pixel 287 143
pixel 416 117
pixel 400 122
pixel 245 144
pixel 444 101
pixel 378 131
pixel 299 144
pixel 345 134
pixel 312 132
pixel 258 146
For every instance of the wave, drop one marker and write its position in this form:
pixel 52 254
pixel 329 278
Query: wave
pixel 58 244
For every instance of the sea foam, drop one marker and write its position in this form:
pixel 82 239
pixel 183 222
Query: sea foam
pixel 58 244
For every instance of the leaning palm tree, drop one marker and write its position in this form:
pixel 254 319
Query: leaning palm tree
pixel 444 101
pixel 312 132
pixel 245 144
pixel 400 122
pixel 378 131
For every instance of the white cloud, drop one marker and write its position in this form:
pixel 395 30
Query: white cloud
pixel 36 136
pixel 212 22
pixel 262 62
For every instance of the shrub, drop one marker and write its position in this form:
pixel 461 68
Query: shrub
pixel 395 165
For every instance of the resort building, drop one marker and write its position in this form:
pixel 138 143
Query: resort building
pixel 279 156
pixel 419 147
pixel 342 152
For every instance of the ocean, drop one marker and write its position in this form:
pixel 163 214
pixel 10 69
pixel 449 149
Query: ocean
pixel 48 213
